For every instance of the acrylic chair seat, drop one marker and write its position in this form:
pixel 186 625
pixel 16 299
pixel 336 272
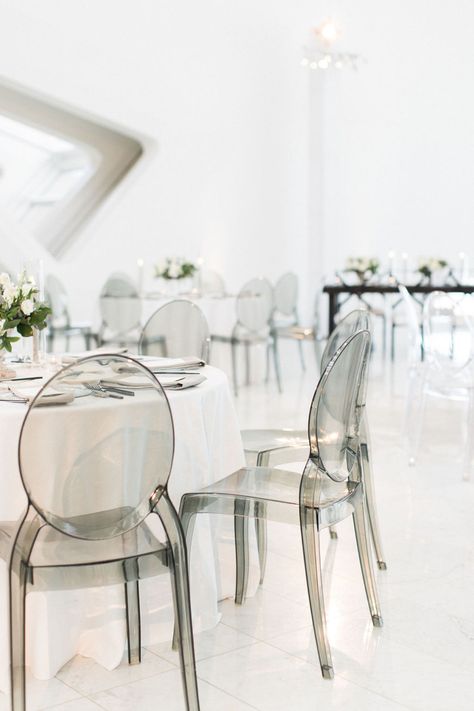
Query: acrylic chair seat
pixel 280 486
pixel 277 446
pixel 59 563
pixel 94 472
pixel 261 445
pixel 329 490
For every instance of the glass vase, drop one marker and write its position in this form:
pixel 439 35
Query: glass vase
pixel 5 370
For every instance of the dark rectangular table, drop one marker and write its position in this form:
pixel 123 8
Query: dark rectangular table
pixel 335 291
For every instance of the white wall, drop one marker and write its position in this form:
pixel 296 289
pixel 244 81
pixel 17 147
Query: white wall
pixel 399 150
pixel 260 167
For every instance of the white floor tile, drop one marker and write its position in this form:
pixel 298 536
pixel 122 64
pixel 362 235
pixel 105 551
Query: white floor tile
pixel 87 677
pixel 272 680
pixel 79 705
pixel 265 615
pixel 165 692
pixel 43 694
pixel 219 640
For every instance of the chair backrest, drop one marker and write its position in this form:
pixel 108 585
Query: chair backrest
pixel 357 320
pixel 414 323
pixel 335 415
pixel 448 334
pixel 254 305
pixel 121 314
pixel 91 467
pixel 120 285
pixel 286 294
pixel 178 328
pixel 211 283
pixel 57 298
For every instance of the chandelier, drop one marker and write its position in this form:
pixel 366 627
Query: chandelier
pixel 321 55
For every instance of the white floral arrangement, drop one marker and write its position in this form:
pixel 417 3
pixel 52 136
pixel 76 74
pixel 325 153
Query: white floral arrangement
pixel 21 311
pixel 427 267
pixel 174 268
pixel 364 267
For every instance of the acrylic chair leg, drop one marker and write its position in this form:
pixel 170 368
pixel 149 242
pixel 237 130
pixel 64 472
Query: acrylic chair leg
pixel 469 446
pixel 333 532
pixel 17 635
pixel 360 527
pixel 247 364
pixel 18 571
pixel 371 507
pixel 414 414
pixel 241 532
pixel 301 351
pixel 276 362
pixel 314 581
pixel 233 347
pixel 132 607
pixel 267 363
pixel 392 343
pixel 187 523
pixel 181 599
pixel 261 533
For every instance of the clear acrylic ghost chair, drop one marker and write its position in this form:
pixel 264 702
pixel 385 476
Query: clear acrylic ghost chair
pixel 95 470
pixel 280 446
pixel 285 321
pixel 413 322
pixel 178 328
pixel 329 490
pixel 210 283
pixel 447 370
pixel 119 284
pixel 311 333
pixel 254 307
pixel 120 311
pixel 59 323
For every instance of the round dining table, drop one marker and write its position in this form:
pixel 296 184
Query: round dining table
pixel 91 622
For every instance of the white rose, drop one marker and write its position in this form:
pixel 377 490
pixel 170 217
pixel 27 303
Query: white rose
pixel 161 266
pixel 5 279
pixel 27 306
pixel 174 270
pixel 10 293
pixel 26 288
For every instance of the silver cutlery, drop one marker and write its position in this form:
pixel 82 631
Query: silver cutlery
pixel 30 377
pixel 98 391
pixel 115 389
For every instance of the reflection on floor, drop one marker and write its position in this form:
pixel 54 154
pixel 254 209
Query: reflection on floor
pixel 262 655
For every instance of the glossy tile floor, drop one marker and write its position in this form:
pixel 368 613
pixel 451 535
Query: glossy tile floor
pixel 262 655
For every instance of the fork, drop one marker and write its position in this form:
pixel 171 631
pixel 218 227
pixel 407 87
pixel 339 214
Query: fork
pixel 98 391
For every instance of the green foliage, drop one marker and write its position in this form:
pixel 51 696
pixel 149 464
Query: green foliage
pixel 175 268
pixel 20 310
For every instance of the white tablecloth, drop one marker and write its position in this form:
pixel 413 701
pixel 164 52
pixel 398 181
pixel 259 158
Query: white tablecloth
pixel 92 623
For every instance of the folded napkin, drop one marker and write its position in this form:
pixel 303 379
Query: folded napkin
pixel 26 395
pixel 161 365
pixel 169 382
